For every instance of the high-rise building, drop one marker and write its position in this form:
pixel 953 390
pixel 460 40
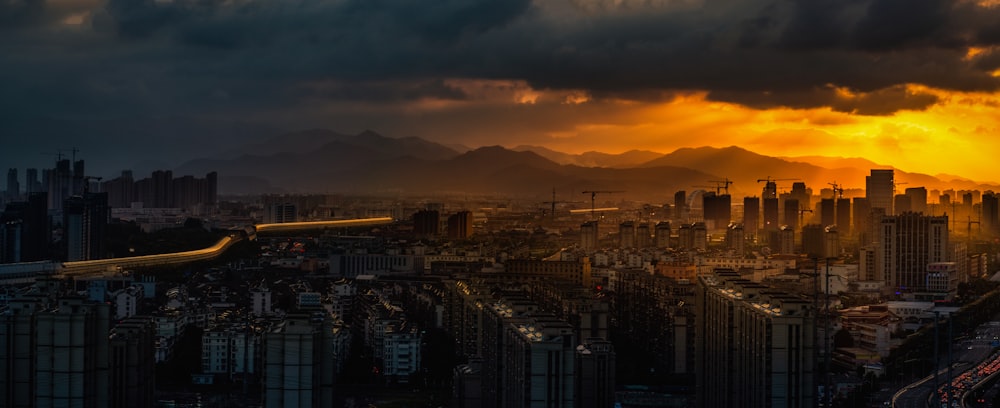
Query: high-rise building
pixel 751 216
pixel 595 374
pixel 812 241
pixel 60 184
pixel 771 221
pixel 827 212
pixel 770 190
pixel 831 242
pixel 792 213
pixel 588 235
pixel 70 350
pixel 626 234
pixel 901 203
pixel 906 244
pixel 844 214
pixel 801 193
pixel 13 191
pixel 298 364
pixel 736 239
pixel 539 364
pixel 132 380
pixel 426 223
pixel 642 235
pixel 24 230
pixel 786 240
pixel 460 225
pixel 861 212
pixel 717 210
pixel 663 234
pixel 918 199
pixel 31 183
pixel 991 213
pixel 85 224
pixel 879 189
pixel 680 206
pixel 756 345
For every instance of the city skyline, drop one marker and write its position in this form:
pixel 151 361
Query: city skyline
pixel 168 81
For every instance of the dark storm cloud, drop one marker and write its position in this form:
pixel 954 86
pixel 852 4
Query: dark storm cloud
pixel 16 13
pixel 180 57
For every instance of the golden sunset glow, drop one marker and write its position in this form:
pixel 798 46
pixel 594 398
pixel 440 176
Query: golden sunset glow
pixel 955 136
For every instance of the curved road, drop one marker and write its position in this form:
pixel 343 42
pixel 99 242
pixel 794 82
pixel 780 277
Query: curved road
pixel 966 354
pixel 103 266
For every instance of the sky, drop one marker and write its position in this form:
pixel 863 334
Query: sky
pixel 133 83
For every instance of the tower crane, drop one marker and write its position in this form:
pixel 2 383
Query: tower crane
pixel 978 225
pixel 897 184
pixel 723 184
pixel 593 197
pixel 801 212
pixel 554 202
pixel 838 190
pixel 770 182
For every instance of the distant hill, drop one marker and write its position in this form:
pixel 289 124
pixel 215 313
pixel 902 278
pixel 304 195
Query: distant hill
pixel 631 158
pixel 326 161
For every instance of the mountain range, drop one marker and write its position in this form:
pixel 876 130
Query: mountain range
pixel 323 161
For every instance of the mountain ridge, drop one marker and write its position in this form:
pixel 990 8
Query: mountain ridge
pixel 327 161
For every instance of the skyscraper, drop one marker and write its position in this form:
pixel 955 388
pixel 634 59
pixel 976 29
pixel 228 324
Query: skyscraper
pixel 827 212
pixel 906 244
pixel 588 235
pixel 751 216
pixel 918 199
pixel 539 364
pixel 736 239
pixel 426 223
pixel 31 183
pixel 861 211
pixel 792 213
pixel 991 215
pixel 85 224
pixel 718 210
pixel 460 225
pixel 626 234
pixel 13 191
pixel 844 214
pixel 771 222
pixel 298 364
pixel 879 189
pixel 663 234
pixel 756 345
pixel 680 205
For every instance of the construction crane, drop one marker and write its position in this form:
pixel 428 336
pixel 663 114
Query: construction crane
pixel 801 212
pixel 897 184
pixel 837 188
pixel 724 184
pixel 979 226
pixel 554 202
pixel 770 182
pixel 593 197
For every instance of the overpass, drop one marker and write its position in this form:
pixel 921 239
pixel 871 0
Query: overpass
pixel 104 266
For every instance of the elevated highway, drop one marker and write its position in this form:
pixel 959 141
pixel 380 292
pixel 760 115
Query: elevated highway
pixel 104 266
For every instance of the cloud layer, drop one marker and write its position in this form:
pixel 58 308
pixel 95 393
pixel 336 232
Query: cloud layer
pixel 374 61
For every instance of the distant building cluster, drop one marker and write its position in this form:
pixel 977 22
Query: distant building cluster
pixel 785 300
pixel 65 215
